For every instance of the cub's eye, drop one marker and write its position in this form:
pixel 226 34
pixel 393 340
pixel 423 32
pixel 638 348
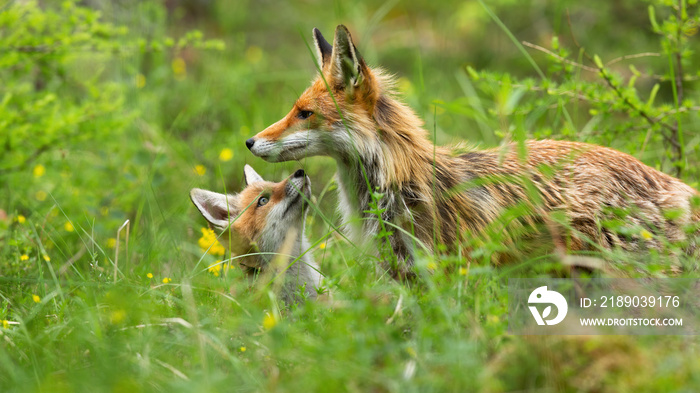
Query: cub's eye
pixel 263 201
pixel 303 115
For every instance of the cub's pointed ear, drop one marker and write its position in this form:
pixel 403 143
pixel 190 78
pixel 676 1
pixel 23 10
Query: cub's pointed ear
pixel 347 66
pixel 250 175
pixel 219 209
pixel 324 50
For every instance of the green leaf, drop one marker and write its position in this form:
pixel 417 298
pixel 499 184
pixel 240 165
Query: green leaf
pixel 652 95
pixel 652 19
pixel 598 62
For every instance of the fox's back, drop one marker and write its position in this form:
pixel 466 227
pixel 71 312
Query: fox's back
pixel 586 181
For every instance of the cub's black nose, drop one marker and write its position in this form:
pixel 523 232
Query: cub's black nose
pixel 299 173
pixel 249 143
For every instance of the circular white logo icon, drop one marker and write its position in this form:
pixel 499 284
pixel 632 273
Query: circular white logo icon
pixel 542 296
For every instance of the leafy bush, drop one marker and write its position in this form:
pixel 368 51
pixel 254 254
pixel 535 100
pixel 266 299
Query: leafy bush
pixel 611 103
pixel 70 166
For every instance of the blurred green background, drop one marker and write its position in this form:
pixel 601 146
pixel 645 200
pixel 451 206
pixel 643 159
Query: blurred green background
pixel 113 110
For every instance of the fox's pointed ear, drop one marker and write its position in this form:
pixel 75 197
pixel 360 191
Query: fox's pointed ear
pixel 347 66
pixel 250 175
pixel 324 50
pixel 219 209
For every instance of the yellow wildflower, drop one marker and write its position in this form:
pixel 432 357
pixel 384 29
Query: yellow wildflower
pixel 140 81
pixel 200 170
pixel 179 68
pixel 432 266
pixel 242 349
pixel 462 271
pixel 39 171
pixel 254 54
pixel 646 235
pixel 322 246
pixel 269 321
pixel 166 280
pixel 36 298
pixel 40 195
pixel 24 257
pixel 411 352
pixel 68 227
pixel 46 258
pixel 215 269
pixel 21 219
pixel 149 275
pixel 117 316
pixel 111 242
pixel 226 154
pixel 6 324
pixel 209 239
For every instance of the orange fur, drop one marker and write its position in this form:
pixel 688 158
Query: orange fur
pixel 268 217
pixel 253 218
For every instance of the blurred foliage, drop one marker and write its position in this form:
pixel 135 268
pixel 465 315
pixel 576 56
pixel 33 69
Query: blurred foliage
pixel 621 102
pixel 113 110
pixel 72 151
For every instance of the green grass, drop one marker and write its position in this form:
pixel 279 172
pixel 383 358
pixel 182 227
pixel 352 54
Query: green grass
pixel 129 134
pixel 206 333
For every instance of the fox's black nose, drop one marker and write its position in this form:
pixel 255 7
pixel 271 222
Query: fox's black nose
pixel 249 143
pixel 299 173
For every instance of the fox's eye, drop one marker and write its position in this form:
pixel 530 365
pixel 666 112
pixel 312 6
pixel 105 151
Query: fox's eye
pixel 263 201
pixel 303 115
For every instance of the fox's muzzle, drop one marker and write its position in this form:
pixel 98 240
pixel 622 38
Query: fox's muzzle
pixel 264 148
pixel 298 190
pixel 298 183
pixel 293 145
pixel 249 143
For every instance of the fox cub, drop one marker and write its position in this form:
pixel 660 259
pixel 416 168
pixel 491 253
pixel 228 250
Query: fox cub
pixel 271 216
pixel 446 196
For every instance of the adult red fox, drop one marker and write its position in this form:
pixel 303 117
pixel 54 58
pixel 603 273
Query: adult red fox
pixel 441 195
pixel 272 216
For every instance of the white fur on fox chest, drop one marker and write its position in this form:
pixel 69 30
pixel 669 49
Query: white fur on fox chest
pixel 272 240
pixel 351 205
pixel 351 213
pixel 358 225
